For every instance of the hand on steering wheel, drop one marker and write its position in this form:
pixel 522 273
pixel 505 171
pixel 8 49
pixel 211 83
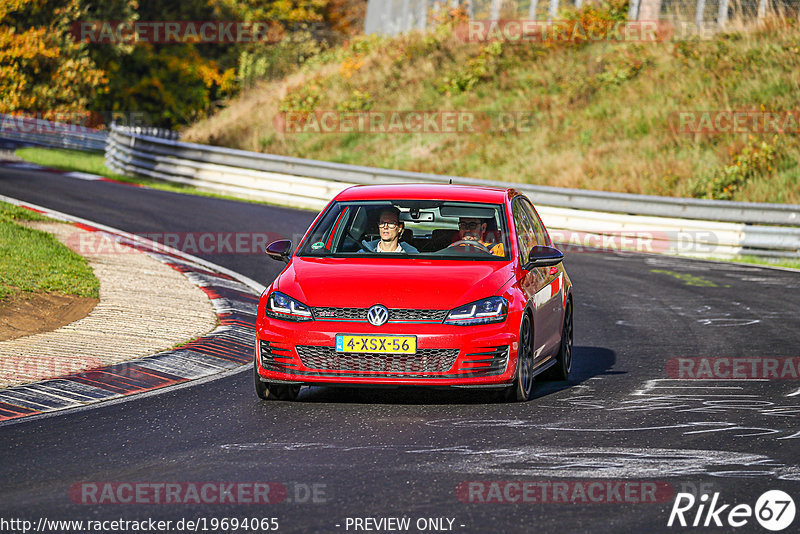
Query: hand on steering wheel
pixel 471 243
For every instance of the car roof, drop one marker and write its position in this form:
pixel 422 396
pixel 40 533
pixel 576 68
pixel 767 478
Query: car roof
pixel 465 193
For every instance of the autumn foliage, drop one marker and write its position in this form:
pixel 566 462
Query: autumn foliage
pixel 46 71
pixel 42 70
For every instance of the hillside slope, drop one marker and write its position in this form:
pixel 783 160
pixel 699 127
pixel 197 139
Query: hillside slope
pixel 600 112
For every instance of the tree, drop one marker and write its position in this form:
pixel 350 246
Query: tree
pixel 43 71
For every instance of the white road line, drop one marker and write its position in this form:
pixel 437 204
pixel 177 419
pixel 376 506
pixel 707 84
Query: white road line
pixel 696 387
pixel 82 175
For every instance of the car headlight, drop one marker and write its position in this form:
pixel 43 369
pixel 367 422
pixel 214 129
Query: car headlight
pixel 491 310
pixel 280 306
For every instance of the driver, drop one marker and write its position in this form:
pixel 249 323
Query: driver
pixel 390 229
pixel 474 229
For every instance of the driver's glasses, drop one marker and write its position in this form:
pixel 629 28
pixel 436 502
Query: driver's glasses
pixel 389 225
pixel 468 225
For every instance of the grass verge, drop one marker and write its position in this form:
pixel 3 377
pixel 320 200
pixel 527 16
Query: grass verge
pixel 68 160
pixel 785 263
pixel 32 260
pixel 94 163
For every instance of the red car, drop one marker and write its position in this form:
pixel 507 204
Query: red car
pixel 417 285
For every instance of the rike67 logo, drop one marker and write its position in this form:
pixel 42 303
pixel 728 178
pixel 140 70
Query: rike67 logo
pixel 774 511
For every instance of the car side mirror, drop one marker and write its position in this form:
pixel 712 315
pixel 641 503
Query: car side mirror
pixel 544 257
pixel 279 250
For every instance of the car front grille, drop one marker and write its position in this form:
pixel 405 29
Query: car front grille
pixel 406 365
pixel 425 364
pixel 396 315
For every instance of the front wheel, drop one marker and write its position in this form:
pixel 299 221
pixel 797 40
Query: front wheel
pixel 560 371
pixel 522 387
pixel 269 391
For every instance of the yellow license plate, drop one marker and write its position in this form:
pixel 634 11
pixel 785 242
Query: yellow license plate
pixel 376 344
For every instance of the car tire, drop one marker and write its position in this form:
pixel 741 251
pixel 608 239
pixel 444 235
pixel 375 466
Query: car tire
pixel 521 389
pixel 270 391
pixel 560 371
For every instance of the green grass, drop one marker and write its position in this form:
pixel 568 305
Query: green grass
pixel 686 278
pixel 35 261
pixel 17 213
pixel 785 263
pixel 68 160
pixel 94 163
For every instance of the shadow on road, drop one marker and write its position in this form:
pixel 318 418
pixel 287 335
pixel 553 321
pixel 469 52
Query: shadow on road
pixel 588 362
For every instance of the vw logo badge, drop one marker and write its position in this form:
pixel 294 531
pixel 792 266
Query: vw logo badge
pixel 377 315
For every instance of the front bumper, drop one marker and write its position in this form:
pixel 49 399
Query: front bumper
pixel 477 356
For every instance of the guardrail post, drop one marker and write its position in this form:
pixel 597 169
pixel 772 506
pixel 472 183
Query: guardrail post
pixel 648 10
pixel 532 9
pixel 699 14
pixel 494 12
pixel 633 10
pixel 762 9
pixel 553 11
pixel 722 14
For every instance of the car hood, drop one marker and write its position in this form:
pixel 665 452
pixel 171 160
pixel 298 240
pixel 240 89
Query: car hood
pixel 360 283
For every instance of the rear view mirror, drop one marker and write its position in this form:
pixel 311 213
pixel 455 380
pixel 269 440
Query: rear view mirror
pixel 544 257
pixel 279 250
pixel 416 216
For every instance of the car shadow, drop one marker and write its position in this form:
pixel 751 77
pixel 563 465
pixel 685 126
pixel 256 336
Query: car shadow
pixel 588 362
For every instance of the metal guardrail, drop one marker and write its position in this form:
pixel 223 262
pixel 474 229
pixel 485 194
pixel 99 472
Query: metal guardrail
pixel 152 154
pixel 38 132
pixel 717 228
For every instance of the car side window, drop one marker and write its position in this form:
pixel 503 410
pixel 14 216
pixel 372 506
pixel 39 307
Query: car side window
pixel 526 233
pixel 541 234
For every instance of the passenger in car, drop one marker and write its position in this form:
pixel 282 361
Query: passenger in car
pixel 390 228
pixel 474 229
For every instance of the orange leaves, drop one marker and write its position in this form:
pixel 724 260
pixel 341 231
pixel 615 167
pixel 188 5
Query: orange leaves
pixel 44 71
pixel 351 65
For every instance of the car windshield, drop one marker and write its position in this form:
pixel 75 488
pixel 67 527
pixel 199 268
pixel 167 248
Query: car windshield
pixel 433 229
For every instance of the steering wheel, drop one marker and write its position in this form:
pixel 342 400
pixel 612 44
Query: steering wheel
pixel 469 243
pixel 358 241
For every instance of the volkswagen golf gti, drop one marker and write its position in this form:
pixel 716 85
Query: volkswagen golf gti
pixel 417 285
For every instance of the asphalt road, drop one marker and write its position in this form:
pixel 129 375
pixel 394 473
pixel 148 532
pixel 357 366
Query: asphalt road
pixel 345 454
